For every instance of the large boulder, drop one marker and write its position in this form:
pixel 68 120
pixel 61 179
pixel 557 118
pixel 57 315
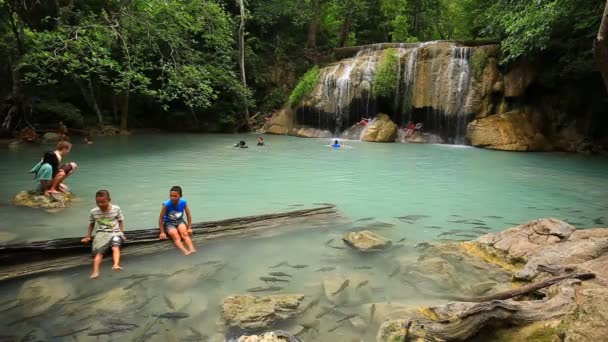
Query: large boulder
pixel 50 137
pixel 381 129
pixel 33 199
pixel 253 313
pixel 512 131
pixel 366 241
pixel 280 123
pixel 588 321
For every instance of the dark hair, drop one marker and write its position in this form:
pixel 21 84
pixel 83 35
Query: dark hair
pixel 49 157
pixel 102 193
pixel 177 189
pixel 336 141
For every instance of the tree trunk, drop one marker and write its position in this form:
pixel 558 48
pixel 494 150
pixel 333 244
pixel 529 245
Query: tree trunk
pixel 313 26
pixel 600 47
pixel 344 31
pixel 88 93
pixel 242 56
pixel 124 113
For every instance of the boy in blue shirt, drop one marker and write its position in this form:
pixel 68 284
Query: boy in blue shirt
pixel 171 221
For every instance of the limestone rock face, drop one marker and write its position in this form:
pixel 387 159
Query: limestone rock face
pixel 588 321
pixel 280 123
pixel 33 199
pixel 512 131
pixel 519 78
pixel 381 129
pixel 308 132
pixel 366 241
pixel 253 313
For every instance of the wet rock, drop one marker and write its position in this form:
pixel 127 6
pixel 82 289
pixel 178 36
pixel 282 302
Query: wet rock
pixel 381 129
pixel 353 133
pixel 280 123
pixel 33 199
pixel 588 321
pixel 481 288
pixel 253 313
pixel 308 132
pixel 423 138
pixel 40 294
pixel 50 137
pixel 7 236
pixel 115 300
pixel 512 131
pixel 366 241
pixel 273 336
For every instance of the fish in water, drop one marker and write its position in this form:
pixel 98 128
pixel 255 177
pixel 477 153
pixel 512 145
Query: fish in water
pixel 329 241
pixel 212 262
pixel 116 321
pixel 325 312
pixel 310 305
pixel 70 332
pixel 312 325
pixel 334 328
pixel 433 227
pixel 324 204
pixel 280 274
pixel 325 269
pixel 361 284
pixel 599 220
pixel 482 227
pixel 395 271
pixel 298 266
pixel 458 221
pixel 264 289
pixel 494 217
pixel 335 247
pixel 372 312
pixel 363 267
pixel 401 240
pixel 135 283
pixel 365 219
pixel 173 315
pixel 296 205
pixel 471 236
pixel 273 279
pixel 349 316
pixel 108 331
pixel 342 287
pixel 168 302
pixel 455 215
pixel 282 263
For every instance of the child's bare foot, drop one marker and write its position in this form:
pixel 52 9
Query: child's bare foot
pixel 192 251
pixel 188 252
pixel 94 275
pixel 117 267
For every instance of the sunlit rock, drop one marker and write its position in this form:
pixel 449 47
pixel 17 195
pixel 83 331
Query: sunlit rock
pixel 381 129
pixel 424 138
pixel 50 137
pixel 366 241
pixel 513 131
pixel 253 313
pixel 33 199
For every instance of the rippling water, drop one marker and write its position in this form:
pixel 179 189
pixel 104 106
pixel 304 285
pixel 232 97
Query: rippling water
pixel 373 185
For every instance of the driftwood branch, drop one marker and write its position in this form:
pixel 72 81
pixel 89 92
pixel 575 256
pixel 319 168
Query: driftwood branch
pixel 525 289
pixel 23 259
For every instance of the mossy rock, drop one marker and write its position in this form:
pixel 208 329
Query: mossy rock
pixel 34 199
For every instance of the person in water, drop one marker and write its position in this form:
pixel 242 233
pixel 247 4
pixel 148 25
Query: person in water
pixel 65 171
pixel 110 231
pixel 261 141
pixel 336 144
pixel 171 221
pixel 241 144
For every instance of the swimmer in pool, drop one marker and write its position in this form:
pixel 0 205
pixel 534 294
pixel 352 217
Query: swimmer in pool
pixel 336 144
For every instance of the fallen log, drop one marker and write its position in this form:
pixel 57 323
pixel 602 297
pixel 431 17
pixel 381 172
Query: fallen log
pixel 22 259
pixel 524 289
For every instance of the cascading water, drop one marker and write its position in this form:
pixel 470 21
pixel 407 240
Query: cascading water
pixel 434 83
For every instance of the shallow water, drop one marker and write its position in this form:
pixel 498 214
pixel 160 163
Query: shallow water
pixel 416 192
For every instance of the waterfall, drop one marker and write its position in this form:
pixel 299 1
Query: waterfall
pixel 434 86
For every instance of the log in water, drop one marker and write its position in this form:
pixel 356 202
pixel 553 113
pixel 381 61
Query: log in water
pixel 30 258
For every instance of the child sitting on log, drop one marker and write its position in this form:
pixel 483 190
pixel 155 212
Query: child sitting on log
pixel 110 231
pixel 171 221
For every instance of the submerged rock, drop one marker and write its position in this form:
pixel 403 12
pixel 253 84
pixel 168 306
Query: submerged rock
pixel 273 336
pixel 381 129
pixel 513 131
pixel 253 313
pixel 366 241
pixel 34 199
pixel 424 138
pixel 40 294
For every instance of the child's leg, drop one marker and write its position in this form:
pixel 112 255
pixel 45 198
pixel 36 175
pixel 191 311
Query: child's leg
pixel 116 258
pixel 183 232
pixel 57 180
pixel 96 262
pixel 174 234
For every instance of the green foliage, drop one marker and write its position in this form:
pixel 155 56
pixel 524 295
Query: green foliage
pixel 385 81
pixel 478 62
pixel 53 110
pixel 305 86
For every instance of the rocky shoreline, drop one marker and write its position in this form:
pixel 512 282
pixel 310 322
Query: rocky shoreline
pixel 499 276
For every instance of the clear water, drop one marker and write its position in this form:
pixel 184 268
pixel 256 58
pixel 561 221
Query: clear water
pixel 377 181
